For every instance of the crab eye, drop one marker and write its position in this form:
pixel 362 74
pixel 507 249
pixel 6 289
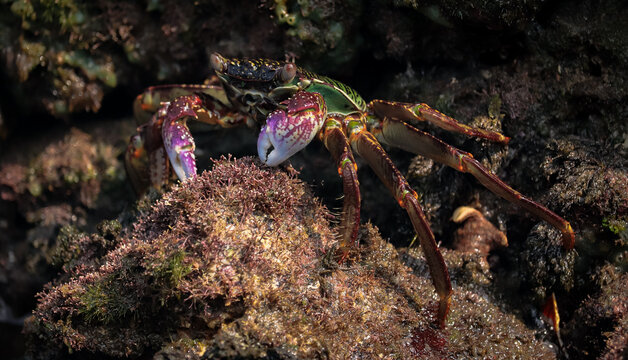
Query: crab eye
pixel 288 72
pixel 217 62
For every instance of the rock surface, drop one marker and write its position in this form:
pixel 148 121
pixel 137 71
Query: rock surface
pixel 240 263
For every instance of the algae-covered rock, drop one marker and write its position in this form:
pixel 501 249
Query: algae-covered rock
pixel 69 178
pixel 240 263
pixel 600 325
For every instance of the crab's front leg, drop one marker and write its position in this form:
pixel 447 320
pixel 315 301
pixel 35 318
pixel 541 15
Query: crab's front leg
pixel 151 100
pixel 288 132
pixel 178 140
pixel 165 142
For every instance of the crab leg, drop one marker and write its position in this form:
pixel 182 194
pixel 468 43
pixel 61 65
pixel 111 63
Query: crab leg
pixel 288 132
pixel 423 112
pixel 366 145
pixel 178 140
pixel 169 107
pixel 407 137
pixel 337 143
pixel 154 97
pixel 145 155
pixel 136 164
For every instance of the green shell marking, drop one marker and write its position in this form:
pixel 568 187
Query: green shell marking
pixel 339 97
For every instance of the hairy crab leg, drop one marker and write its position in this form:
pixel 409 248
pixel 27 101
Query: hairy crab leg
pixel 404 136
pixel 423 112
pixel 337 143
pixel 366 145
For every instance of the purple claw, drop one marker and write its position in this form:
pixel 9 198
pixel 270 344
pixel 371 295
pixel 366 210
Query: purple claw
pixel 286 133
pixel 178 141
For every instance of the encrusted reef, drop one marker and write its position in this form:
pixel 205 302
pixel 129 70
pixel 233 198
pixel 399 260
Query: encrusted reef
pixel 240 264
pixel 50 181
pixel 607 310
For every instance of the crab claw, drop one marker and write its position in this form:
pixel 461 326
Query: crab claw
pixel 178 140
pixel 288 132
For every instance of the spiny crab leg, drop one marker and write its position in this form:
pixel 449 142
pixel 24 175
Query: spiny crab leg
pixel 337 143
pixel 423 112
pixel 366 145
pixel 404 136
pixel 136 163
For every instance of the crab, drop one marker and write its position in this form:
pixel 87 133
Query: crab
pixel 291 107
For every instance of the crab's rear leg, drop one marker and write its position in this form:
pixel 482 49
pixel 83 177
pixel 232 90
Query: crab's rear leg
pixel 337 143
pixel 423 112
pixel 402 135
pixel 136 163
pixel 366 145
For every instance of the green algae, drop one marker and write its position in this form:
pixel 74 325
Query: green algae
pixel 92 69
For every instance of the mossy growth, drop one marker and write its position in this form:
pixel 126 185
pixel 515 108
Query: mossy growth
pixel 326 28
pixel 617 227
pixel 67 14
pixel 77 162
pixel 599 327
pixel 238 263
pixel 105 302
pixel 74 248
